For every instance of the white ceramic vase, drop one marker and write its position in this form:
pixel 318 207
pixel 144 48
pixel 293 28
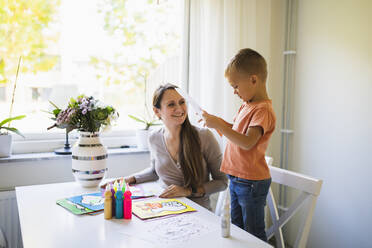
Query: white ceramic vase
pixel 89 158
pixel 5 145
pixel 142 136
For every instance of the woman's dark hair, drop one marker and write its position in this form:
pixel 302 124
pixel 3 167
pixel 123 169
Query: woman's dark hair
pixel 190 155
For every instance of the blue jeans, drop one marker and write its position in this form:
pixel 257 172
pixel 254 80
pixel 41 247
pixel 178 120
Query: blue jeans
pixel 248 200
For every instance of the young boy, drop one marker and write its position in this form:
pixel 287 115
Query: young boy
pixel 248 137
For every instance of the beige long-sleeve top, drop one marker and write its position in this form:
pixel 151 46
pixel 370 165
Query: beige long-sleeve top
pixel 168 172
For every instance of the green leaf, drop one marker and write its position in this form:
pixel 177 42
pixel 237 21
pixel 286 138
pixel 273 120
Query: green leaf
pixel 11 119
pixel 54 105
pixel 153 123
pixel 14 130
pixel 137 119
pixel 56 112
pixel 45 111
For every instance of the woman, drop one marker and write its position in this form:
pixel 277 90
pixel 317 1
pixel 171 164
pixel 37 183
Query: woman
pixel 182 156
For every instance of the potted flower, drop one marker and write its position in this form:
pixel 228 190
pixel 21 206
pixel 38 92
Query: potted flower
pixel 5 137
pixel 85 114
pixel 143 133
pixel 89 116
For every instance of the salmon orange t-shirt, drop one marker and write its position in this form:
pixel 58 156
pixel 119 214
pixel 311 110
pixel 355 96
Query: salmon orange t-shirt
pixel 250 164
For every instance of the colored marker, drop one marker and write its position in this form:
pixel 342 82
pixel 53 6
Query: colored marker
pixel 113 199
pixel 127 204
pixel 123 188
pixel 116 185
pixel 119 204
pixel 108 203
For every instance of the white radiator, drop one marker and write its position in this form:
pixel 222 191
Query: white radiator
pixel 9 221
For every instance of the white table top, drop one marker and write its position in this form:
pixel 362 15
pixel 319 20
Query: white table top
pixel 46 224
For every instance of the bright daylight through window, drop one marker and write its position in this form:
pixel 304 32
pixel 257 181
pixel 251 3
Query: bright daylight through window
pixel 110 49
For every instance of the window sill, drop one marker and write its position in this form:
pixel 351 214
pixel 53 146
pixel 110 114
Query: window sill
pixel 26 157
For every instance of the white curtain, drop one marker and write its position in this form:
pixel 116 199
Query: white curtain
pixel 217 30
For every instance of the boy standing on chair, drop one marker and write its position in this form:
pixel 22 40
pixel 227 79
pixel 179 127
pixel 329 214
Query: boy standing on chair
pixel 248 137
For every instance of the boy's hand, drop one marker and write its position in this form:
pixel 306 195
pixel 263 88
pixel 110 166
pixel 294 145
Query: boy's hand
pixel 175 191
pixel 211 121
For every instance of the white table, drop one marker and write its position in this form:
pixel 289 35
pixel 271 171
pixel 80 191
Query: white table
pixel 46 224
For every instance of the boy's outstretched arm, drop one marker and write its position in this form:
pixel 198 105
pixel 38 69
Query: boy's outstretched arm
pixel 245 141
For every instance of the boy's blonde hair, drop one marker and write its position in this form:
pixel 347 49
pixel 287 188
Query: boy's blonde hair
pixel 248 61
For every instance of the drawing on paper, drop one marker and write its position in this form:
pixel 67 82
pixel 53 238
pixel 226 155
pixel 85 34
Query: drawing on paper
pixel 156 208
pixel 93 201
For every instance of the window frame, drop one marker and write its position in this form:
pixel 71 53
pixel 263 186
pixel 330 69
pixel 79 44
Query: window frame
pixel 48 142
pixel 36 142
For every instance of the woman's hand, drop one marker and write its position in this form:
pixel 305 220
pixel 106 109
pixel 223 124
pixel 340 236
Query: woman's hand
pixel 103 186
pixel 128 180
pixel 175 191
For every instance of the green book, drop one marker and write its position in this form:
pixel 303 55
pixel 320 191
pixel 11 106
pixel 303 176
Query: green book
pixel 73 207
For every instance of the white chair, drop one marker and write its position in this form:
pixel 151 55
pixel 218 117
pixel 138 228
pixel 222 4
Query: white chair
pixel 310 188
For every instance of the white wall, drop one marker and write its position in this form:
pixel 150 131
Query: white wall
pixel 333 117
pixel 275 71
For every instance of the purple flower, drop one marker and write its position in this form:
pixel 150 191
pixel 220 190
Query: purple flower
pixel 71 112
pixel 63 117
pixel 72 117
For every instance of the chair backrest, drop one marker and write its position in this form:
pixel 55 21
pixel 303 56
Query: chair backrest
pixel 310 188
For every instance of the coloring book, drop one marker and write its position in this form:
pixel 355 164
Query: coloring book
pixel 83 204
pixel 153 208
pixel 93 201
pixel 73 207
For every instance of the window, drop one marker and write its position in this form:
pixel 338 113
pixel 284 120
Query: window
pixel 111 49
pixel 35 94
pixel 2 94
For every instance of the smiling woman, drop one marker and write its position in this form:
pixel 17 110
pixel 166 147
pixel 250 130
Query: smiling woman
pixel 105 48
pixel 185 158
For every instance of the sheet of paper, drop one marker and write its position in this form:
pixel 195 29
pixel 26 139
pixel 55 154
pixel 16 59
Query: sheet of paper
pixel 196 107
pixel 172 231
pixel 179 229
